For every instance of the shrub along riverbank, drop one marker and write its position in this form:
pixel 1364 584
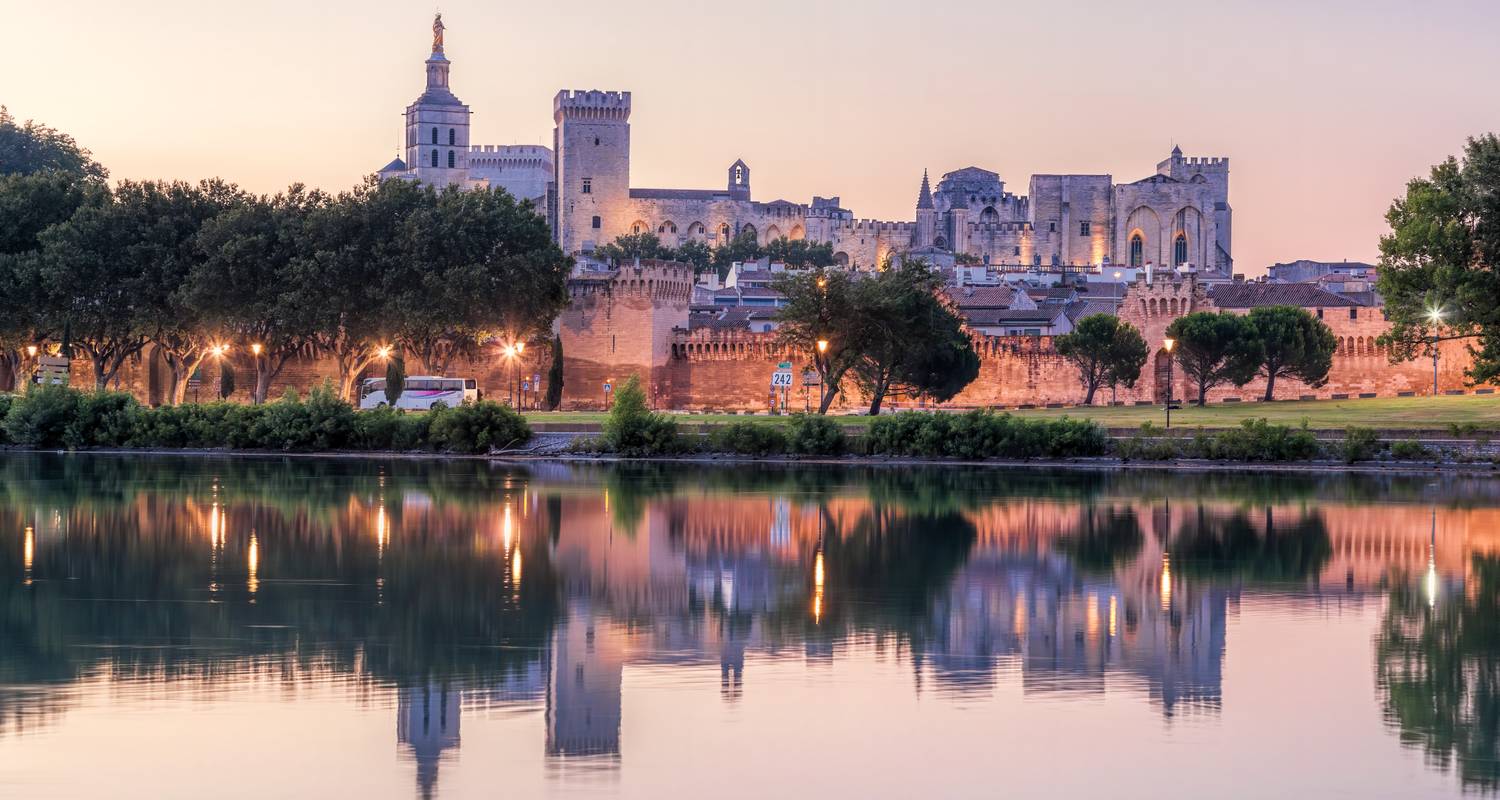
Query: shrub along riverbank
pixel 57 417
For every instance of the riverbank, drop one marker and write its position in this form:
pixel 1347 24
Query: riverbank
pixel 1099 464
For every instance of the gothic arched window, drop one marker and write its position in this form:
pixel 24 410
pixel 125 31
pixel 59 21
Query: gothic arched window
pixel 1137 249
pixel 452 137
pixel 434 155
pixel 434 136
pixel 1179 250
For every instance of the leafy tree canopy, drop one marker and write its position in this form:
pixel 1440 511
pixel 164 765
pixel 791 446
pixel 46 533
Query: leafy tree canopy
pixel 1443 254
pixel 1215 348
pixel 1293 343
pixel 1105 350
pixel 30 147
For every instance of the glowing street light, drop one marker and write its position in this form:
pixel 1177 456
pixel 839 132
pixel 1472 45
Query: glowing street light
pixel 255 349
pixel 383 352
pixel 1435 316
pixel 822 346
pixel 31 351
pixel 219 350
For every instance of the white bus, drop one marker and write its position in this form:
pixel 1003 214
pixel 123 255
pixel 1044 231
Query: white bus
pixel 420 392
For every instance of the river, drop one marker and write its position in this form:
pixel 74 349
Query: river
pixel 285 627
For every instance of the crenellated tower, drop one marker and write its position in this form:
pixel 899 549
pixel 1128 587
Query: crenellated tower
pixel 592 145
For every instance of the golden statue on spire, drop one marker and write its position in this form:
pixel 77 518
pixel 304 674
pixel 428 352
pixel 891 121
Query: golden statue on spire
pixel 437 33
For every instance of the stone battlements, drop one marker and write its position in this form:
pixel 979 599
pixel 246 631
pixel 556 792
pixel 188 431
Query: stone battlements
pixel 591 104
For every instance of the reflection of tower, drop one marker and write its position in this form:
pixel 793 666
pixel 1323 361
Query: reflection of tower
pixel 583 690
pixel 427 722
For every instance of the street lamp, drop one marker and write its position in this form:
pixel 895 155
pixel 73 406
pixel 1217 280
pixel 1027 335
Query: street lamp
pixel 383 352
pixel 1167 344
pixel 823 369
pixel 1435 316
pixel 31 351
pixel 515 374
pixel 255 349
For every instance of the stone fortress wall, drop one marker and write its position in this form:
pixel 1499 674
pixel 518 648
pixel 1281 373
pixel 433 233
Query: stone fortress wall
pixel 634 321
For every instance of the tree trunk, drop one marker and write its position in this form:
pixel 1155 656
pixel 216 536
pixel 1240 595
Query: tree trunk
pixel 1088 397
pixel 831 383
pixel 1202 394
pixel 881 388
pixel 1270 387
pixel 182 373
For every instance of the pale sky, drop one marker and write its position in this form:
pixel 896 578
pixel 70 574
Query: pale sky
pixel 1325 109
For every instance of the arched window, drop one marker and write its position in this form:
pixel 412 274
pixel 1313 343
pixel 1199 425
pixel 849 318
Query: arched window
pixel 452 137
pixel 434 155
pixel 434 138
pixel 724 232
pixel 1179 250
pixel 1137 249
pixel 450 159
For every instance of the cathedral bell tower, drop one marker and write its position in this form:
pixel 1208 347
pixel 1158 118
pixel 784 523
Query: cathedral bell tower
pixel 437 124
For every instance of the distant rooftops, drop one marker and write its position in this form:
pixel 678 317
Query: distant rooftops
pixel 1255 295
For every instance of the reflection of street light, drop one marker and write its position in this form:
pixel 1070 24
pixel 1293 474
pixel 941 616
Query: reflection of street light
pixel 1168 344
pixel 1435 316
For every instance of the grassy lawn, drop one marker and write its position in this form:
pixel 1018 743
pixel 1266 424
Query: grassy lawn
pixel 1482 411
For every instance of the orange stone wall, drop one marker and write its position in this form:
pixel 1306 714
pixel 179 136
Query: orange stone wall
pixel 634 322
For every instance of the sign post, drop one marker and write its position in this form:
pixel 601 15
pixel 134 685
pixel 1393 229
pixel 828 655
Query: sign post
pixel 781 380
pixel 607 390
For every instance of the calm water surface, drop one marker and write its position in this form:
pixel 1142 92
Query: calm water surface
pixel 264 628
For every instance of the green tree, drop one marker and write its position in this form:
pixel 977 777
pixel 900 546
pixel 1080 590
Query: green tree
pixel 694 252
pixel 31 148
pixel 1293 344
pixel 555 375
pixel 743 247
pixel 167 218
pixel 44 179
pixel 244 282
pixel 395 379
pixel 909 341
pixel 90 285
pixel 1443 255
pixel 1105 350
pixel 800 253
pixel 338 281
pixel 632 246
pixel 1215 348
pixel 822 307
pixel 472 266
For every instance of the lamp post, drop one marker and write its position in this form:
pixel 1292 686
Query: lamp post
pixel 515 377
pixel 1168 344
pixel 1435 316
pixel 822 370
pixel 510 389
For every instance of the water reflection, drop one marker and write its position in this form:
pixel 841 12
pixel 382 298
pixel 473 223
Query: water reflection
pixel 452 589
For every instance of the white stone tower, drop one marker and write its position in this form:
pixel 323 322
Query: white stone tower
pixel 437 124
pixel 592 145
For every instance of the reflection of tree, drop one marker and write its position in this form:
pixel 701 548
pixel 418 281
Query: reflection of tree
pixel 159 564
pixel 1209 544
pixel 1106 537
pixel 888 564
pixel 1438 671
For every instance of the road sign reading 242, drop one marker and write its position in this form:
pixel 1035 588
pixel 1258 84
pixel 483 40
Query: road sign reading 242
pixel 781 379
